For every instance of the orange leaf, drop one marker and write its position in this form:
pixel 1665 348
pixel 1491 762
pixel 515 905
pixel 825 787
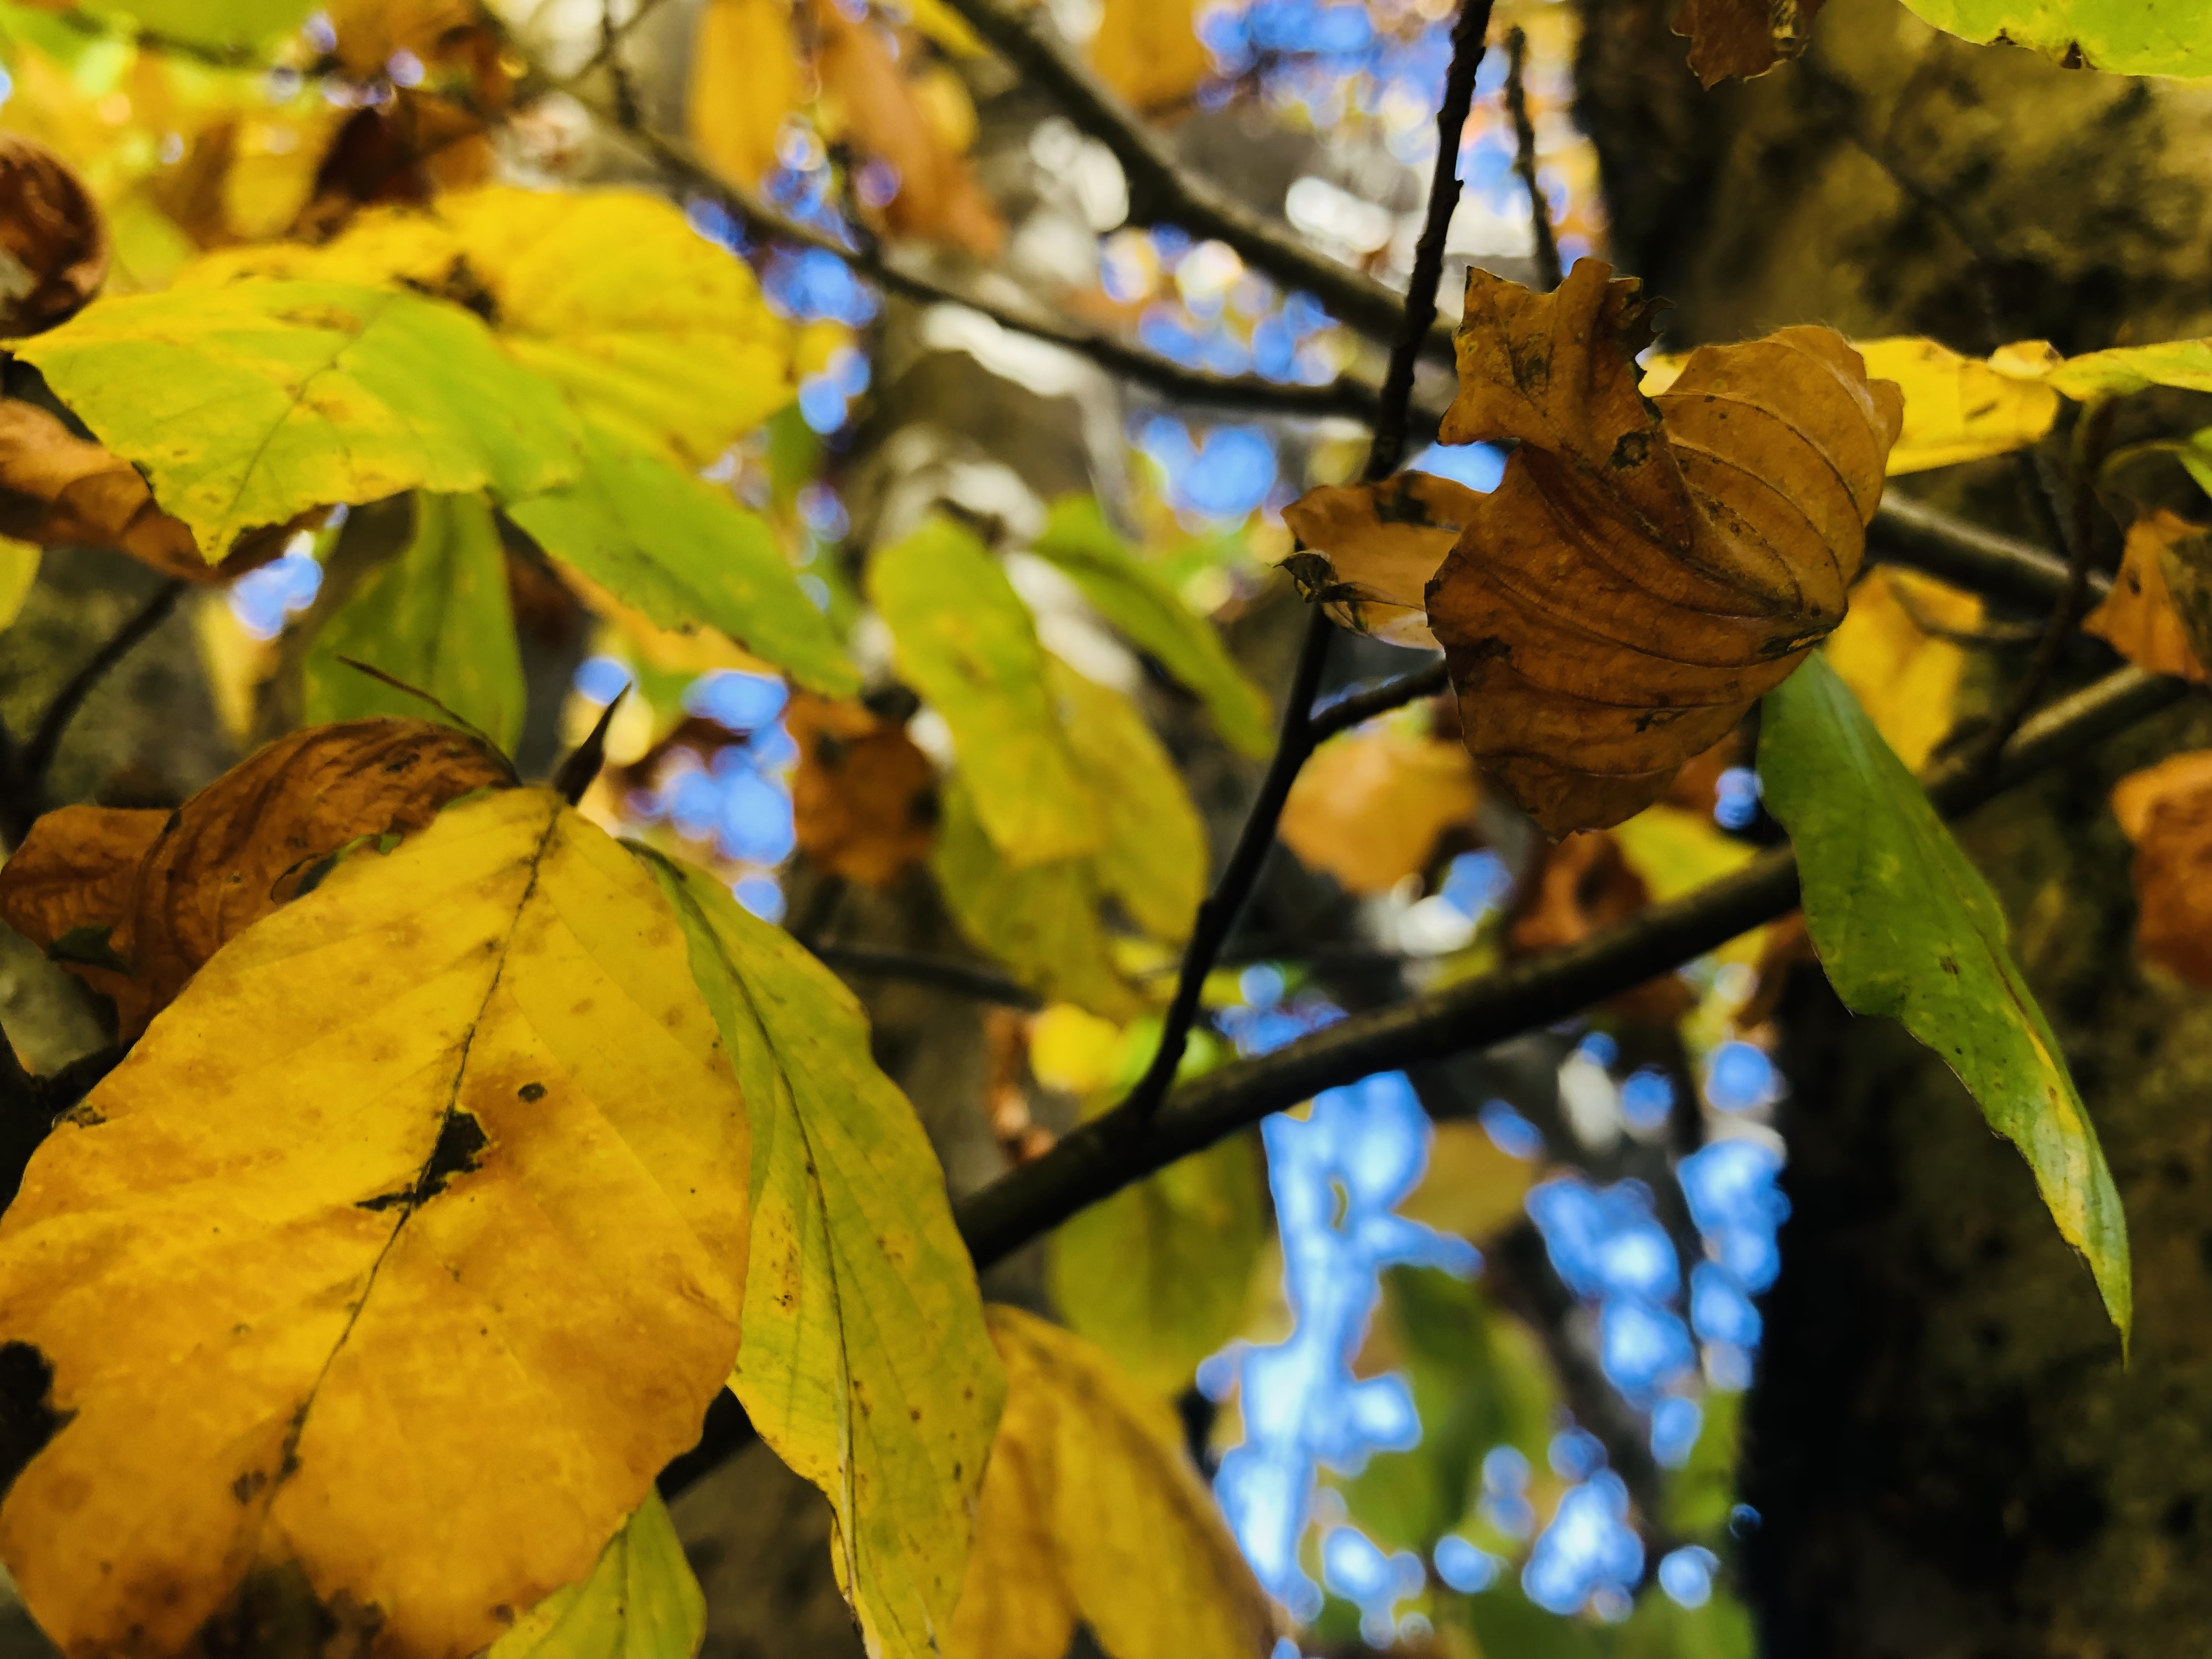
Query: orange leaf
pixel 75 871
pixel 864 799
pixel 2140 618
pixel 1584 885
pixel 1644 570
pixel 745 80
pixel 1374 547
pixel 1743 38
pixel 2166 811
pixel 1369 807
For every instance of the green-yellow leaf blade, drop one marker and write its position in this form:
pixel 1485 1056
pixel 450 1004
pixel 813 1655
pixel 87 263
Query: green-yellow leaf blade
pixel 966 642
pixel 218 25
pixel 2124 37
pixel 1907 926
pixel 641 1601
pixel 438 617
pixel 865 1365
pixel 250 403
pixel 1148 613
pixel 685 554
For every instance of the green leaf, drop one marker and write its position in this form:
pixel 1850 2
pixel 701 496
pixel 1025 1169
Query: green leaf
pixel 1041 919
pixel 216 24
pixel 1154 860
pixel 1160 1274
pixel 1906 926
pixel 865 1365
pixel 438 617
pixel 2125 37
pixel 966 642
pixel 686 555
pixel 2186 364
pixel 641 1601
pixel 248 403
pixel 1147 612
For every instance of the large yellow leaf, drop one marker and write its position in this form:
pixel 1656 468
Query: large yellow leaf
pixel 966 642
pixel 865 1366
pixel 379 1282
pixel 1091 1510
pixel 641 1601
pixel 745 80
pixel 249 403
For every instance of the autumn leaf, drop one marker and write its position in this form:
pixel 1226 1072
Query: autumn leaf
pixel 53 235
pixel 1906 677
pixel 1743 38
pixel 234 852
pixel 1907 926
pixel 1153 859
pixel 59 490
pixel 745 82
pixel 1149 50
pixel 395 1340
pixel 248 403
pixel 2158 613
pixel 1092 1512
pixel 966 642
pixel 1583 884
pixel 864 798
pixel 1956 409
pixel 437 619
pixel 1374 549
pixel 865 1366
pixel 1643 572
pixel 1145 611
pixel 2122 37
pixel 230 26
pixel 2166 810
pixel 1369 807
pixel 1471 1188
pixel 869 97
pixel 641 1601
pixel 19 574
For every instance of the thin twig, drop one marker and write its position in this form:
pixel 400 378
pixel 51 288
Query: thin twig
pixel 1524 160
pixel 1359 706
pixel 611 37
pixel 1908 532
pixel 610 53
pixel 1098 1160
pixel 1218 914
pixel 957 977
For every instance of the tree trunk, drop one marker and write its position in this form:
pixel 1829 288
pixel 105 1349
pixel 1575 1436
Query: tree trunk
pixel 1949 1458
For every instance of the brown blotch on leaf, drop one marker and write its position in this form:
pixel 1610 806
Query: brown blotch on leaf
pixel 2166 811
pixel 53 240
pixel 1743 38
pixel 27 1417
pixel 1614 607
pixel 231 855
pixel 864 798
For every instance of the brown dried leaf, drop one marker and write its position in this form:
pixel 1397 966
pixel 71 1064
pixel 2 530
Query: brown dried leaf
pixel 73 873
pixel 2144 618
pixel 2166 811
pixel 1369 807
pixel 246 844
pixel 1584 885
pixel 1743 38
pixel 52 235
pixel 864 799
pixel 61 490
pixel 1644 571
pixel 1372 547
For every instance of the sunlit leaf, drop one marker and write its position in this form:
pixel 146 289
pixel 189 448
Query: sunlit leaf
pixel 2166 811
pixel 641 1601
pixel 1645 569
pixel 1906 926
pixel 459 1259
pixel 249 403
pixel 218 25
pixel 1369 807
pixel 437 617
pixel 1092 1512
pixel 966 642
pixel 684 554
pixel 745 82
pixel 1906 677
pixel 2124 37
pixel 1956 409
pixel 2158 613
pixel 1471 1188
pixel 1149 616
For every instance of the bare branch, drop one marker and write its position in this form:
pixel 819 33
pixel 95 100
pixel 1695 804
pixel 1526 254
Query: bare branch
pixel 1909 532
pixel 1358 707
pixel 1524 160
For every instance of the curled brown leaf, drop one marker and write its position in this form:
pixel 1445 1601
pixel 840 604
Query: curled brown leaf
pixel 60 490
pixel 2166 810
pixel 52 235
pixel 1743 38
pixel 254 839
pixel 864 799
pixel 1369 551
pixel 2158 614
pixel 1645 570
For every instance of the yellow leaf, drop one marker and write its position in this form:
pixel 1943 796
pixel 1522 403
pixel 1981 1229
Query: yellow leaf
pixel 1471 1188
pixel 1956 409
pixel 396 1338
pixel 865 1366
pixel 1149 50
pixel 1154 860
pixel 745 80
pixel 641 1601
pixel 19 574
pixel 2154 614
pixel 1073 1052
pixel 1091 1510
pixel 1906 678
pixel 1369 807
pixel 936 21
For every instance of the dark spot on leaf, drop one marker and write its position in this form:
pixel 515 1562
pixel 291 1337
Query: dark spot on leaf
pixel 1630 452
pixel 532 1091
pixel 1949 965
pixel 248 1485
pixel 27 1417
pixel 275 1614
pixel 461 1140
pixel 83 1115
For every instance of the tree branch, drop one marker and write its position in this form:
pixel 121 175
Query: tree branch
pixel 1218 914
pixel 1548 273
pixel 1359 706
pixel 1102 1157
pixel 957 977
pixel 1909 532
pixel 1162 189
